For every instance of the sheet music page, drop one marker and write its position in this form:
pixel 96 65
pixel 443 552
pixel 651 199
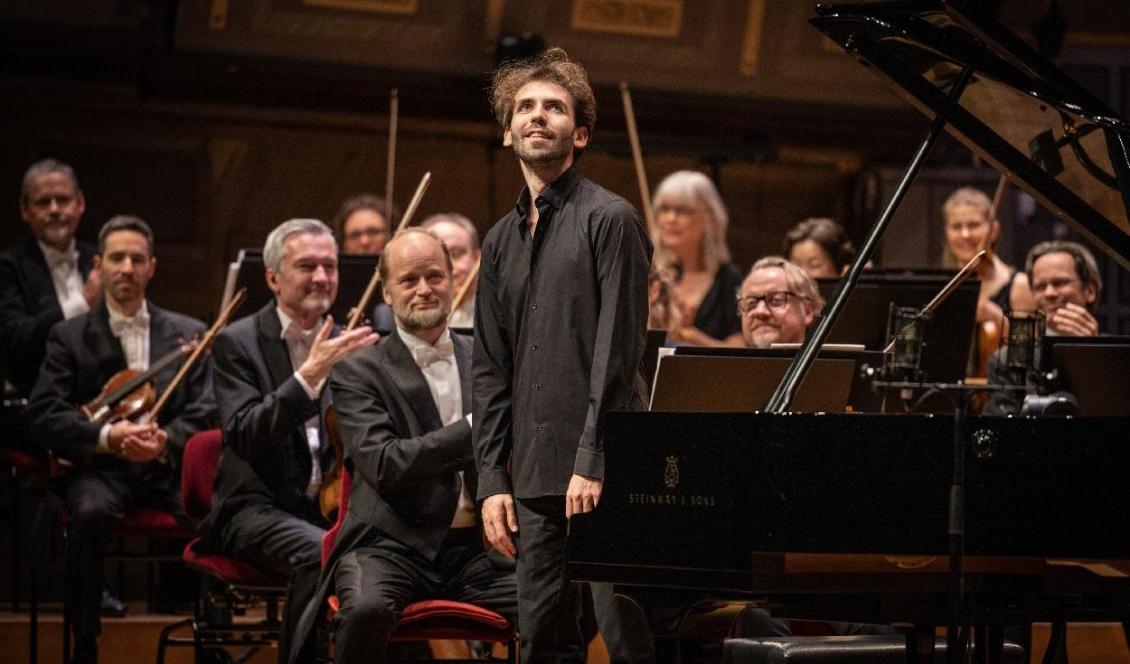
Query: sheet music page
pixel 229 281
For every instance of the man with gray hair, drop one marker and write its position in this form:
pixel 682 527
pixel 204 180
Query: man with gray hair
pixel 44 278
pixel 270 375
pixel 47 277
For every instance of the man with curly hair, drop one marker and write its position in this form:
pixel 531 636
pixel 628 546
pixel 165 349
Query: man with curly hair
pixel 560 323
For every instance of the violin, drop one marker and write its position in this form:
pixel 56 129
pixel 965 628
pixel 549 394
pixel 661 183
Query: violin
pixel 130 395
pixel 990 332
pixel 329 496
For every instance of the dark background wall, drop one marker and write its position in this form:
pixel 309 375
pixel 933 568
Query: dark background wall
pixel 215 120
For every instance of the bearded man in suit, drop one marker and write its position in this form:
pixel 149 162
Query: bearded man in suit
pixel 119 466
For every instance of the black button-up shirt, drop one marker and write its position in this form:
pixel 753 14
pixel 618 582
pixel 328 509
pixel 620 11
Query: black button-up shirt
pixel 560 324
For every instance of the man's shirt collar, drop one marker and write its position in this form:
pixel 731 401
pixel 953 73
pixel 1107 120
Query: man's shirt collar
pixel 555 194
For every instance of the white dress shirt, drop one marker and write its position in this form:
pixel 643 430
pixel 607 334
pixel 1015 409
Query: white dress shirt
pixel 133 333
pixel 298 343
pixel 437 363
pixel 66 278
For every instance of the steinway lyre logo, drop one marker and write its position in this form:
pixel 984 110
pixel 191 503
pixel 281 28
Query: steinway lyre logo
pixel 671 474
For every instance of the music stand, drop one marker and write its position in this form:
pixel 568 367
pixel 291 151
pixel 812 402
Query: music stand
pixel 862 398
pixel 1096 370
pixel 720 384
pixel 864 318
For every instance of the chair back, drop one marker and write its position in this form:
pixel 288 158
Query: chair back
pixel 330 537
pixel 198 470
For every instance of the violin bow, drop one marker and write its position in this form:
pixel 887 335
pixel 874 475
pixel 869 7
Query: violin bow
pixel 393 112
pixel 637 155
pixel 197 353
pixel 357 314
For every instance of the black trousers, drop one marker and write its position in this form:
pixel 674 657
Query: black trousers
pixel 549 603
pixel 375 582
pixel 97 501
pixel 277 540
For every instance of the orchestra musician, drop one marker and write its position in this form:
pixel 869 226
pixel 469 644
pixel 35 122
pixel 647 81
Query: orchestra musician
pixel 1066 283
pixel 44 278
pixel 403 408
pixel 559 335
pixel 364 224
pixel 692 254
pixel 777 301
pixel 121 465
pixel 462 241
pixel 820 246
pixel 271 370
pixel 971 226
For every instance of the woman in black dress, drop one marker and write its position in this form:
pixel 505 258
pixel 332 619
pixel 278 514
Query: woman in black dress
pixel 692 257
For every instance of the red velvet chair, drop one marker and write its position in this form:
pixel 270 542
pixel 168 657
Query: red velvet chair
pixel 151 524
pixel 243 584
pixel 432 618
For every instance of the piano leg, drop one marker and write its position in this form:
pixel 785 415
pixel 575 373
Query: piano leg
pixel 920 644
pixel 1057 644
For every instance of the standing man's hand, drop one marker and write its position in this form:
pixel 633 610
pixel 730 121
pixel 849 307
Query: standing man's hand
pixel 499 521
pixel 583 495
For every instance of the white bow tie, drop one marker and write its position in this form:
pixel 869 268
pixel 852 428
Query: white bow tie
pixel 119 325
pixel 443 351
pixel 57 258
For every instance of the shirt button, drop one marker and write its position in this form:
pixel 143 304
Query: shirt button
pixel 537 386
pixel 537 428
pixel 533 306
pixel 534 347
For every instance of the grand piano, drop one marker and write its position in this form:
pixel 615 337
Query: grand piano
pixel 921 519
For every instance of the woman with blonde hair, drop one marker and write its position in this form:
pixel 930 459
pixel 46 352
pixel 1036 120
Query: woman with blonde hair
pixel 692 256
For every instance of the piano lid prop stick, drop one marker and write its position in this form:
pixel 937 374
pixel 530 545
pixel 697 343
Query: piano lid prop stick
pixel 393 112
pixel 949 288
pixel 466 284
pixel 415 202
pixel 637 155
pixel 998 195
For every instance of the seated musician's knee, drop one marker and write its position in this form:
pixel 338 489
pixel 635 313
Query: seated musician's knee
pixel 374 613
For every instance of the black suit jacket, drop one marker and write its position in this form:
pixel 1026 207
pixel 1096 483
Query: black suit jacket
pixel 28 309
pixel 404 460
pixel 82 354
pixel 263 413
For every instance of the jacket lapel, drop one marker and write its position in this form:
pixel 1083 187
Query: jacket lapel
pixel 271 343
pixel 38 274
pixel 409 379
pixel 162 341
pixel 463 361
pixel 103 345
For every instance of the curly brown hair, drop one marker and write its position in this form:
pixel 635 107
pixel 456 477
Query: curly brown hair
pixel 552 66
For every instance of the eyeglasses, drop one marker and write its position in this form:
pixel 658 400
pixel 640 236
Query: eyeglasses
pixel 365 232
pixel 678 210
pixel 1056 284
pixel 776 301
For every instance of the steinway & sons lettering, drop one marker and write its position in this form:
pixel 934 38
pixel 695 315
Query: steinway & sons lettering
pixel 671 499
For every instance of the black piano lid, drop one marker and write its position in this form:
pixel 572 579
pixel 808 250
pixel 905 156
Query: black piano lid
pixel 1014 113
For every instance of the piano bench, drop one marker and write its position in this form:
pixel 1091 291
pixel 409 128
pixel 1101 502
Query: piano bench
pixel 837 650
